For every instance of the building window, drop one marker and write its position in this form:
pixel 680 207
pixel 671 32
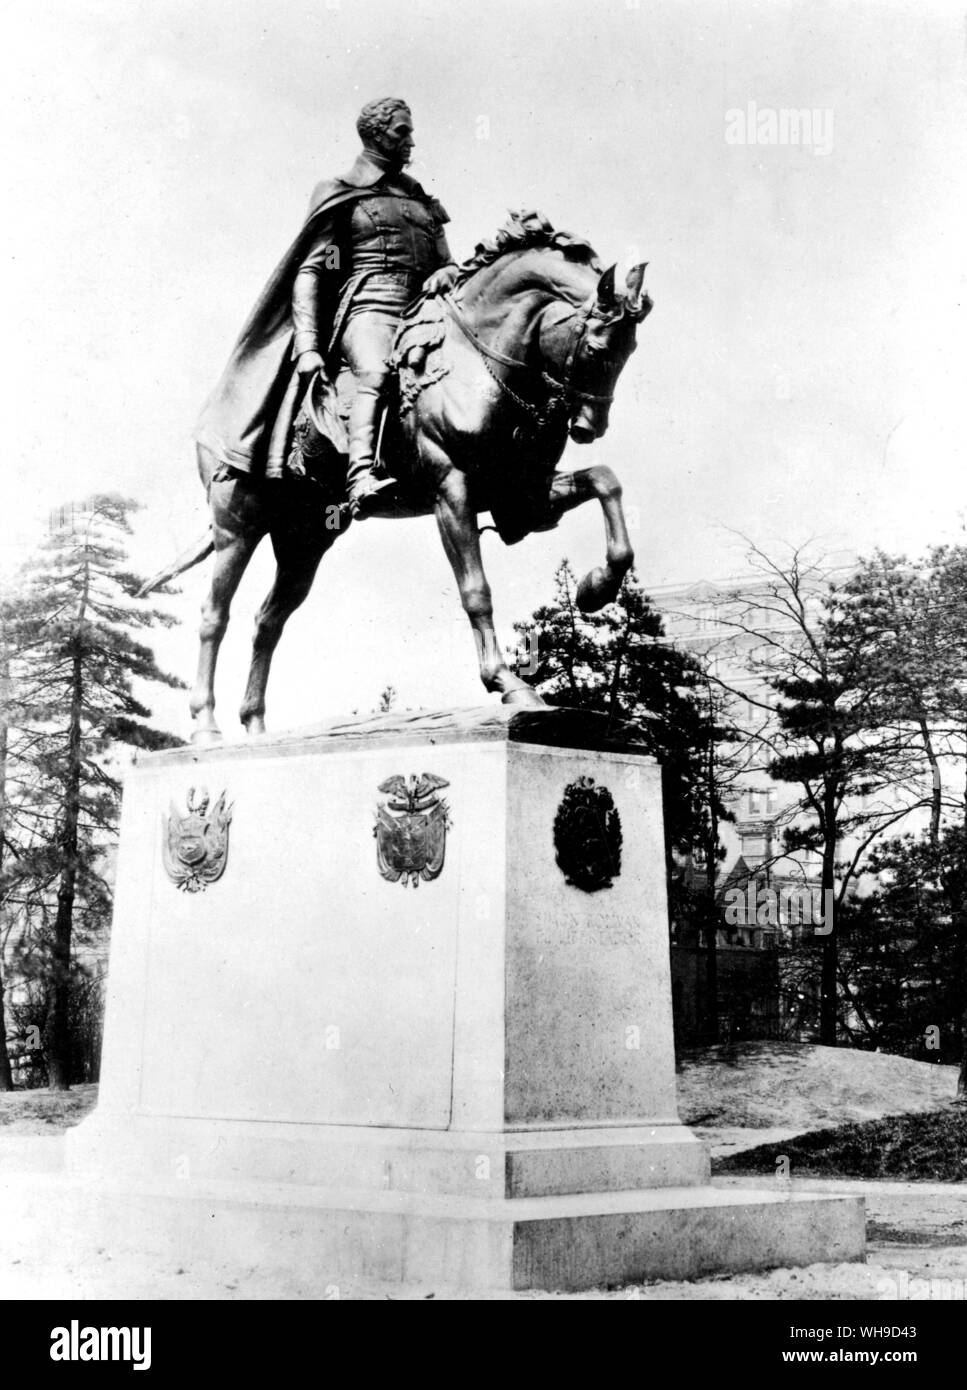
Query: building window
pixel 761 802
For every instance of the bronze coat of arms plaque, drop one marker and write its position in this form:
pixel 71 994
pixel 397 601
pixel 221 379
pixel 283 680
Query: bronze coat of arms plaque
pixel 411 829
pixel 195 846
pixel 587 836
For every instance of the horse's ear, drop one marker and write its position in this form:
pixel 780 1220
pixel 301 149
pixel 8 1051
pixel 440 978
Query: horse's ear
pixel 639 303
pixel 607 300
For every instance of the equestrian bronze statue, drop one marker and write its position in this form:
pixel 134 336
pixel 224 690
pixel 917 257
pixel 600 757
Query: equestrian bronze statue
pixel 488 372
pixel 373 241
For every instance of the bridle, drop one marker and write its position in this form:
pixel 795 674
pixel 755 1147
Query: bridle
pixel 562 394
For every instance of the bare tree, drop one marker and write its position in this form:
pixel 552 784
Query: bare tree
pixel 857 775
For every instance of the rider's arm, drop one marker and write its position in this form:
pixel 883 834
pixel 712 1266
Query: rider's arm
pixel 444 256
pixel 446 272
pixel 311 287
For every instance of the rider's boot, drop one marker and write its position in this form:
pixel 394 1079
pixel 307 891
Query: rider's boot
pixel 362 488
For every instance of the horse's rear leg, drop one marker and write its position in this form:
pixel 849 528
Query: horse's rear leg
pixel 293 580
pixel 600 585
pixel 461 541
pixel 237 527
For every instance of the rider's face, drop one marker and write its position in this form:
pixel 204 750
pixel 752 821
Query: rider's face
pixel 396 141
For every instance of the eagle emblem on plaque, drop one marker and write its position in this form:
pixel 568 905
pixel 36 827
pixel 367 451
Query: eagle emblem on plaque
pixel 587 836
pixel 411 829
pixel 195 846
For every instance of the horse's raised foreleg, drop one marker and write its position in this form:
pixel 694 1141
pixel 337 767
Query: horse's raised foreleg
pixel 293 580
pixel 237 530
pixel 461 541
pixel 600 585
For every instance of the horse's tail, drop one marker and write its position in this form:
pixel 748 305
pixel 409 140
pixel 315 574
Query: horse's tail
pixel 194 555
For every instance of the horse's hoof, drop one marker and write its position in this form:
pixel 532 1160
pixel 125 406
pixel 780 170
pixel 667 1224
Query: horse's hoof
pixel 596 589
pixel 525 697
pixel 254 726
pixel 205 738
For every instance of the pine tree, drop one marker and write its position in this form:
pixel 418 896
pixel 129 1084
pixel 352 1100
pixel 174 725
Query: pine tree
pixel 905 949
pixel 907 625
pixel 78 664
pixel 22 822
pixel 6 1076
pixel 908 622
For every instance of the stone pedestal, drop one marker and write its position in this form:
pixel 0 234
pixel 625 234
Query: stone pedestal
pixel 467 1080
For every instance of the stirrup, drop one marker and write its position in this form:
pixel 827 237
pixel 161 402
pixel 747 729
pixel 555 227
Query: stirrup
pixel 361 504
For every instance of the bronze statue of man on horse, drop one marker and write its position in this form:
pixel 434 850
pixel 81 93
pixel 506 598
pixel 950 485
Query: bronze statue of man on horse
pixel 374 377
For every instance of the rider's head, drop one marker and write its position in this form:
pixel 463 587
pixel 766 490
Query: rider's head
pixel 386 130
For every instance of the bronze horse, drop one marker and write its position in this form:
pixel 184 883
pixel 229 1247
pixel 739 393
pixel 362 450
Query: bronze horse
pixel 523 353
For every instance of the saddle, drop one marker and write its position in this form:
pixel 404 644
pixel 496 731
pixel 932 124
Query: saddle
pixel 518 497
pixel 321 426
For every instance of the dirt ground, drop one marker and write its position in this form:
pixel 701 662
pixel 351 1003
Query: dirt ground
pixel 916 1231
pixel 790 1088
pixel 43 1112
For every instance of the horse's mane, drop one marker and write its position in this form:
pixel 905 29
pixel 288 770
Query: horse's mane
pixel 524 231
pixel 421 326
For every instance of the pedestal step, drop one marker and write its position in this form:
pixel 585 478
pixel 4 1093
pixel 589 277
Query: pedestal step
pixel 580 1241
pixel 536 1163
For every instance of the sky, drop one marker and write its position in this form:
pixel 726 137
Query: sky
pixel 802 374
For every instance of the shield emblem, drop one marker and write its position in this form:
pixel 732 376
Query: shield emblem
pixel 194 847
pixel 411 829
pixel 587 836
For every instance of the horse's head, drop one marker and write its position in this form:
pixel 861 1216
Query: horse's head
pixel 610 320
pixel 578 340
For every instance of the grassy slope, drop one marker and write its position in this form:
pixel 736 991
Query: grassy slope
pixel 43 1111
pixel 923 1147
pixel 801 1086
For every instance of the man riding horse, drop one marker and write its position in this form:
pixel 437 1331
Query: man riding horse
pixel 372 241
pixel 499 363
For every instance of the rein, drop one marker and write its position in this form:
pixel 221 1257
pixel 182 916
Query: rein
pixel 561 393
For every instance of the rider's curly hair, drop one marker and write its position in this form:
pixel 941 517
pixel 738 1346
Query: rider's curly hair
pixel 376 116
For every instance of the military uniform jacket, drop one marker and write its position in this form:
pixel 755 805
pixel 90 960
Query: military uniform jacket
pixel 247 419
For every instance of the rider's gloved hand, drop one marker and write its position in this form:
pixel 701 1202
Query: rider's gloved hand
pixel 441 280
pixel 308 363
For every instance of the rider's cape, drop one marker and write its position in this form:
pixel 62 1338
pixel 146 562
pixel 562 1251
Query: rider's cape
pixel 247 419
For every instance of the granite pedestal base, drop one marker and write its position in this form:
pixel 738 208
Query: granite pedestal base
pixel 466 1079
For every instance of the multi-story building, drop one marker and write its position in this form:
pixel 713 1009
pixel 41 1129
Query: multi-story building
pixel 763 892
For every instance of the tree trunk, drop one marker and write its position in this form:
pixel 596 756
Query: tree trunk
pixel 959 1001
pixel 961 907
pixel 6 1075
pixel 711 918
pixel 59 1040
pixel 936 792
pixel 962 1074
pixel 711 1026
pixel 830 962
